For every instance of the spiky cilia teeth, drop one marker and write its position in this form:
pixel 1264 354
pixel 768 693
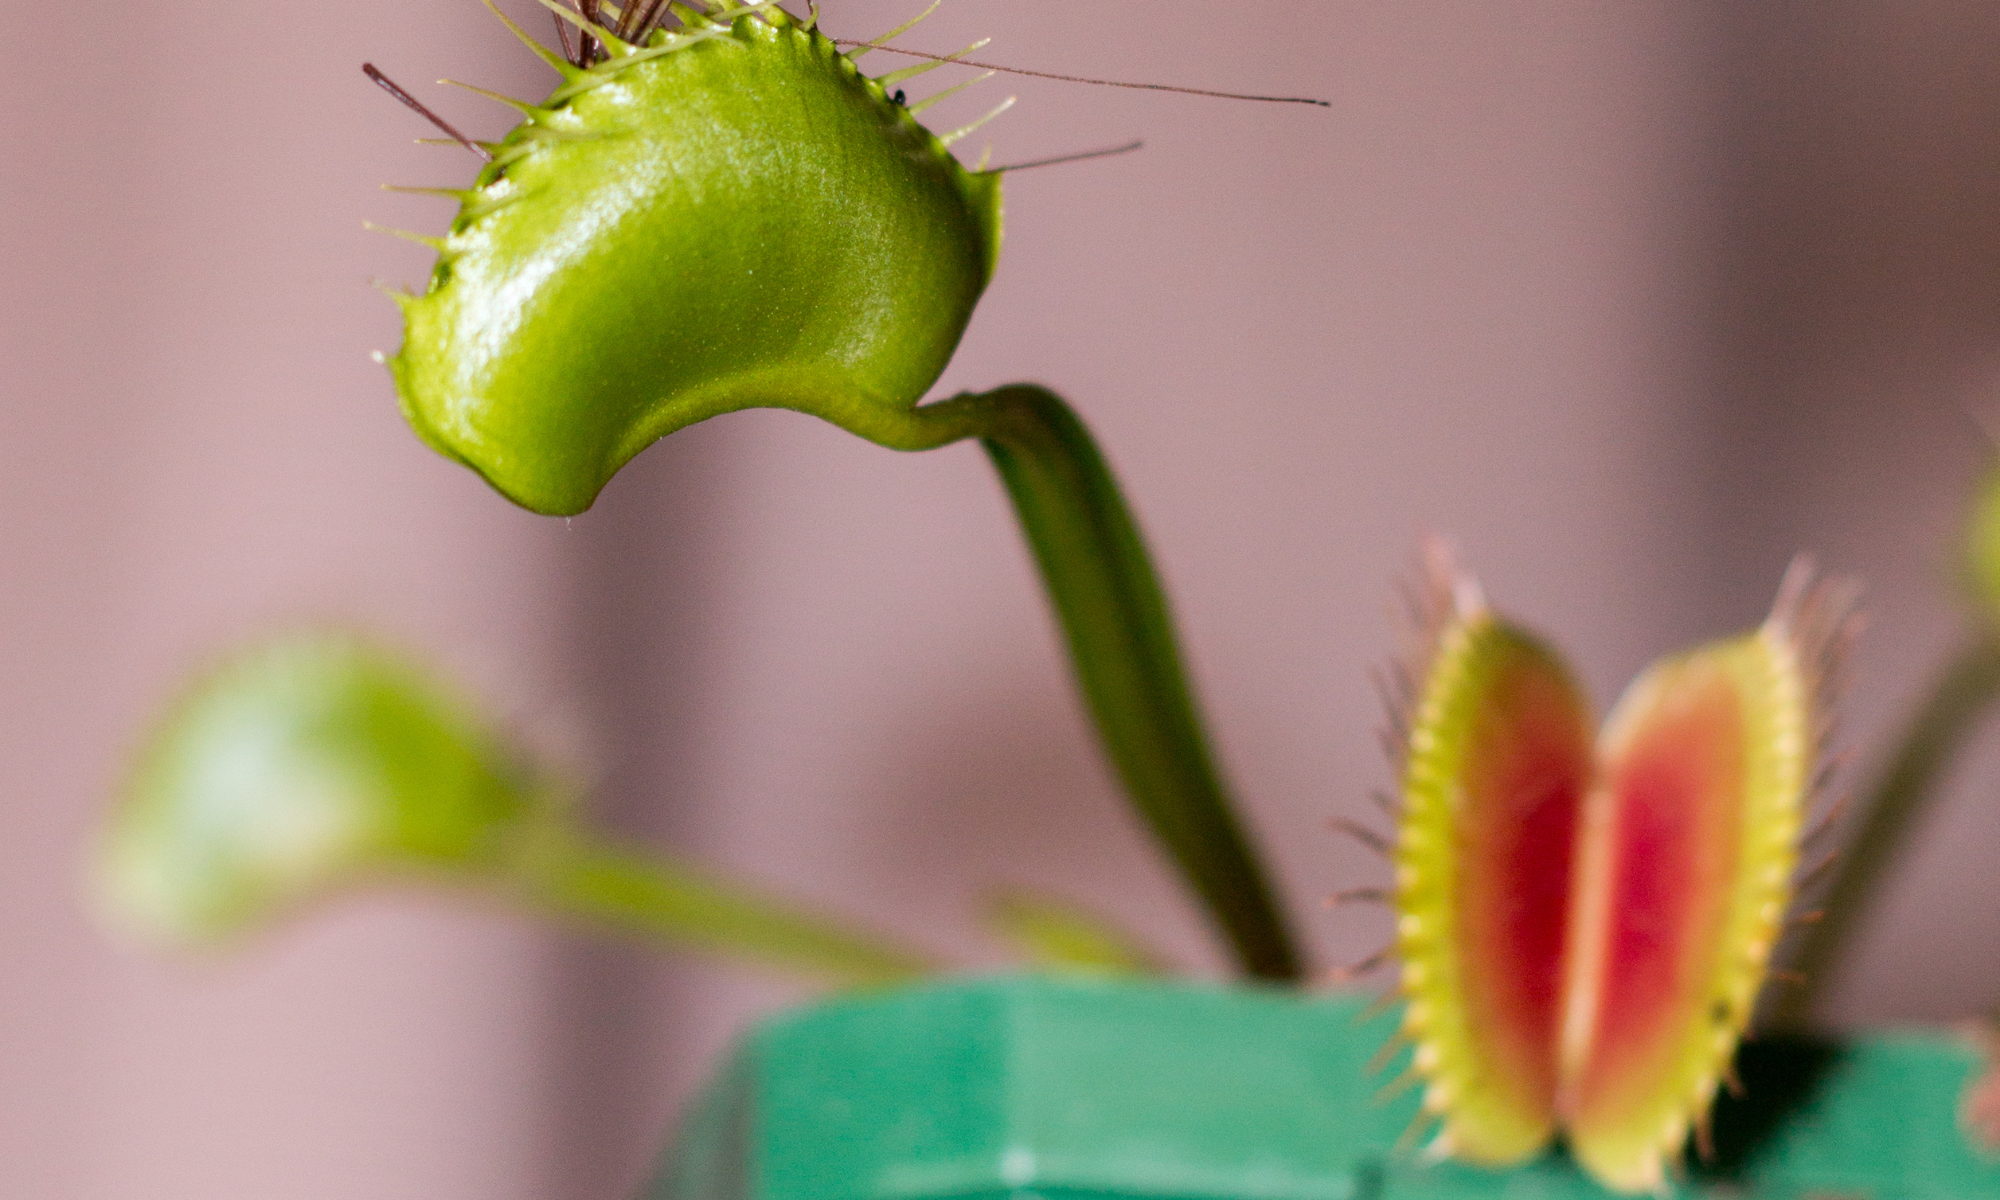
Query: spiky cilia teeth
pixel 613 39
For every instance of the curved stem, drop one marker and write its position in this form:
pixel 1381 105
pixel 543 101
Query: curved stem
pixel 670 903
pixel 1963 693
pixel 1121 642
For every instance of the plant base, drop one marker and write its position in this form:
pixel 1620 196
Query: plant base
pixel 1034 1088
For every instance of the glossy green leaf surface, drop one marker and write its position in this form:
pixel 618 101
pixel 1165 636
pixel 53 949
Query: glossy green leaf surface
pixel 716 223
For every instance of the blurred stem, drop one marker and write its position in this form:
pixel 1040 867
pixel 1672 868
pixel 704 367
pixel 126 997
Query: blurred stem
pixel 669 903
pixel 1056 934
pixel 1121 642
pixel 1963 693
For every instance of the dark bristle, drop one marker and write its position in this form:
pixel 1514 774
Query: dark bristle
pixel 1413 612
pixel 1406 682
pixel 1361 895
pixel 649 20
pixel 568 47
pixel 1083 156
pixel 1148 87
pixel 1356 970
pixel 591 50
pixel 1387 1052
pixel 1361 833
pixel 1381 1006
pixel 1394 699
pixel 390 86
pixel 1817 869
pixel 1833 765
pixel 1829 820
pixel 1397 1086
pixel 1414 1132
pixel 1394 744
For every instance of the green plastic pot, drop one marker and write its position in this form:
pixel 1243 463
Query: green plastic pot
pixel 1030 1088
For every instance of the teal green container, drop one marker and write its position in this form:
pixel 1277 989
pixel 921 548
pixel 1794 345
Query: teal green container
pixel 1028 1088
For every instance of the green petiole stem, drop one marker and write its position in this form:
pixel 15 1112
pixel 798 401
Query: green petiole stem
pixel 1963 693
pixel 1121 642
pixel 1056 934
pixel 667 902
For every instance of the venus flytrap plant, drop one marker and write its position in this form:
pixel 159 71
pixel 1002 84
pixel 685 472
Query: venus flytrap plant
pixel 316 763
pixel 733 217
pixel 1583 929
pixel 729 214
pixel 714 210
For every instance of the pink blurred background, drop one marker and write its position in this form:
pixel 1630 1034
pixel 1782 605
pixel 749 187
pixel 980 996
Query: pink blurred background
pixel 1634 299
